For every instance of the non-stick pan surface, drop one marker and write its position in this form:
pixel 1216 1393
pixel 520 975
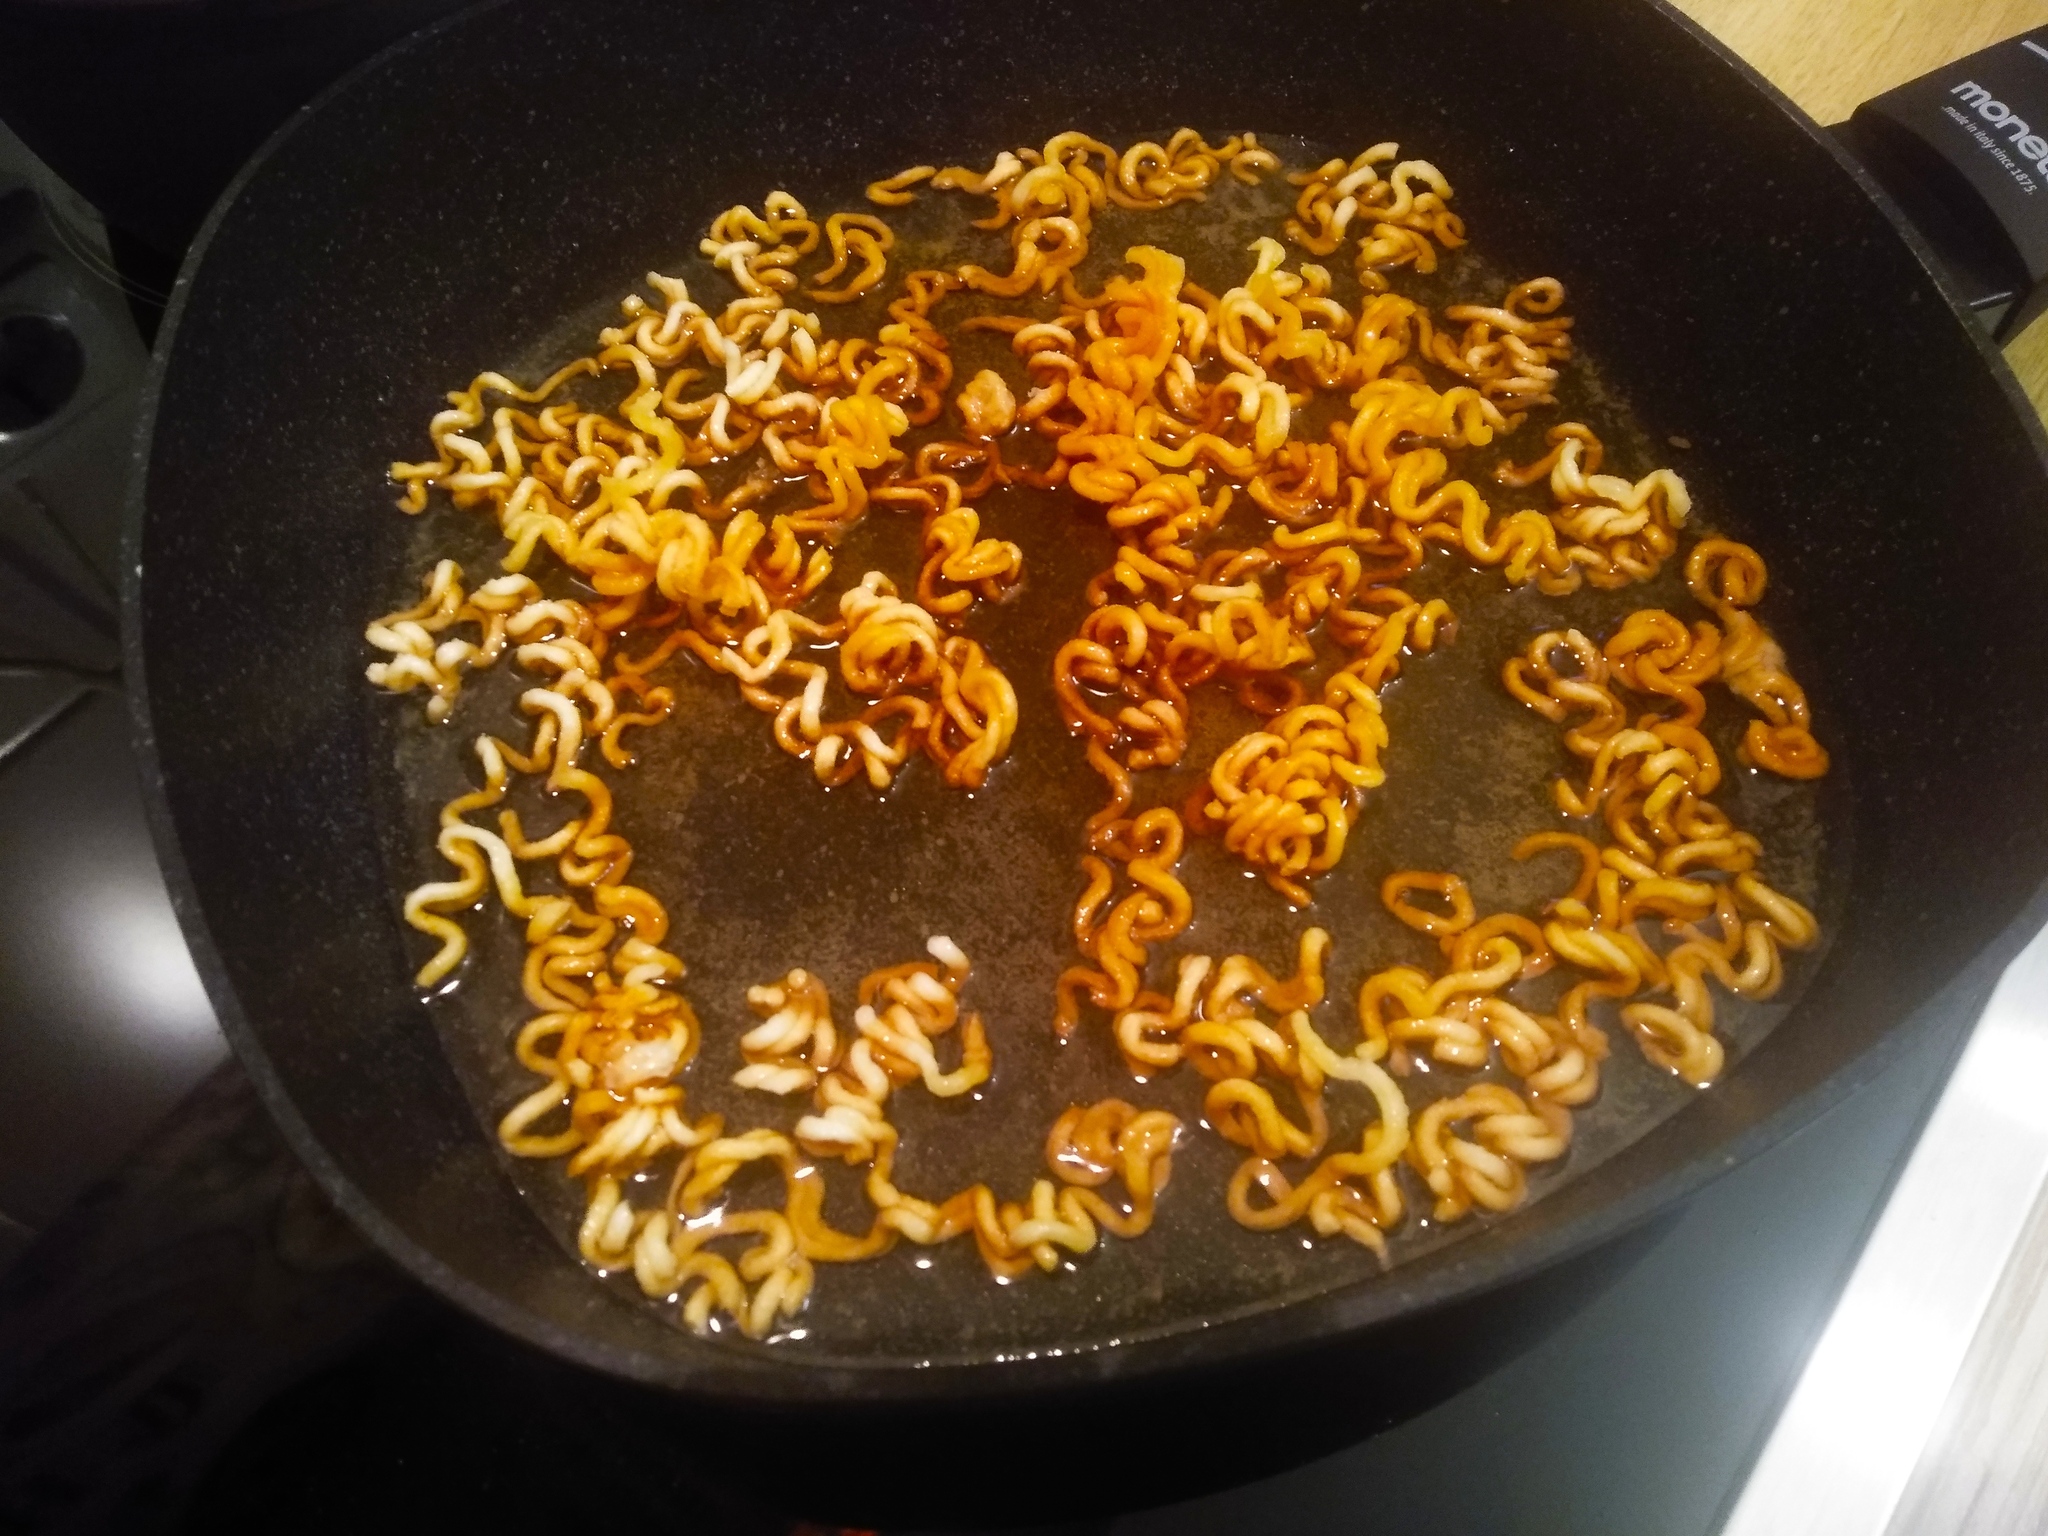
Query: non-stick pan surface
pixel 452 201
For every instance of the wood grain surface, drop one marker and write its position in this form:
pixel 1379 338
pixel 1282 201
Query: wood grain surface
pixel 1984 1472
pixel 1828 55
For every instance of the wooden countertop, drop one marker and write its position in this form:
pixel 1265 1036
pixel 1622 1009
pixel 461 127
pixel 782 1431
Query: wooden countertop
pixel 1828 55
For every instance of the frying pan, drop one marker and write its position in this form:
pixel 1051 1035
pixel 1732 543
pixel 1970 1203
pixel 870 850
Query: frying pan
pixel 444 207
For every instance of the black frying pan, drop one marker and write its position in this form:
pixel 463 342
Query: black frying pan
pixel 447 206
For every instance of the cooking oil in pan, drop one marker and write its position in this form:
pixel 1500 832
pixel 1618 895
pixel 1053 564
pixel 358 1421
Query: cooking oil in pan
pixel 763 871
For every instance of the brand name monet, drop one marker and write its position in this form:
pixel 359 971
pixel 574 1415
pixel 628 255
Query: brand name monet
pixel 2008 124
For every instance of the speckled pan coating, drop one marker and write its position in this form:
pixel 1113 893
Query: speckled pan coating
pixel 1737 283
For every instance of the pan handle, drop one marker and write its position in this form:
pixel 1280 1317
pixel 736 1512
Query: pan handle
pixel 1963 151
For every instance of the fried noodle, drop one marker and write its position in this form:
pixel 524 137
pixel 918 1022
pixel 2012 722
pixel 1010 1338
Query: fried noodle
pixel 1172 415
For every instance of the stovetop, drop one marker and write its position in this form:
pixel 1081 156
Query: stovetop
pixel 190 1339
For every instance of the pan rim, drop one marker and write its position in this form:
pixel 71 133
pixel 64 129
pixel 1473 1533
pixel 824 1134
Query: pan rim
pixel 1189 1345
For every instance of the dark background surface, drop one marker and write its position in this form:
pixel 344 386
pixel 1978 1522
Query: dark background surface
pixel 148 108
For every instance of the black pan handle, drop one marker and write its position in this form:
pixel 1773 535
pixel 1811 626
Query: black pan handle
pixel 1963 150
